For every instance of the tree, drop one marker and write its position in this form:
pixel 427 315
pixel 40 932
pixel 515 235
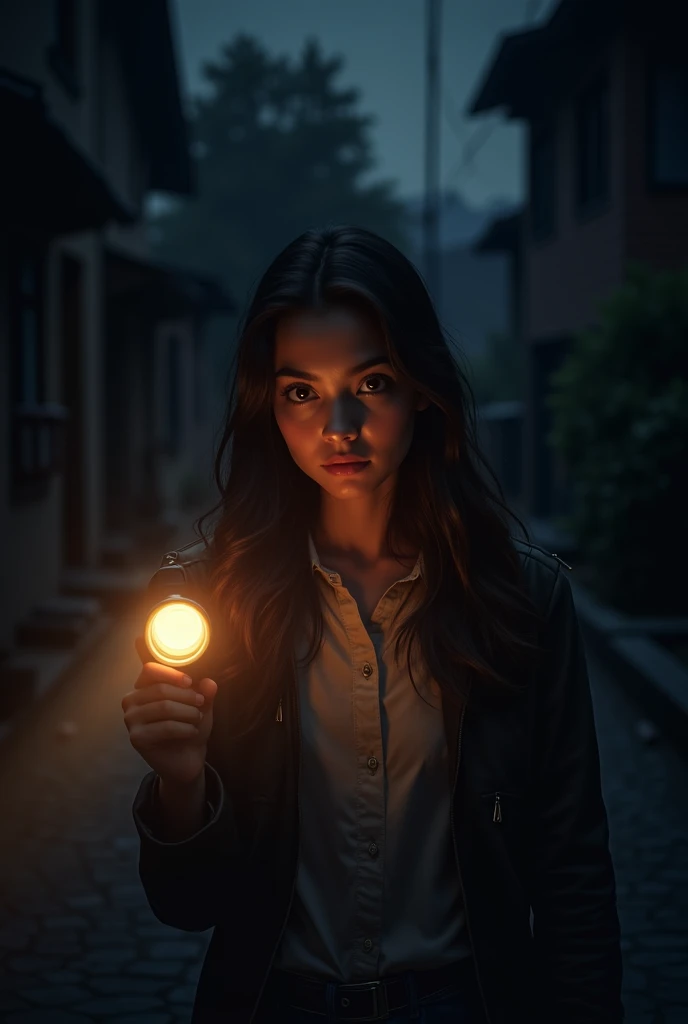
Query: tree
pixel 278 148
pixel 620 411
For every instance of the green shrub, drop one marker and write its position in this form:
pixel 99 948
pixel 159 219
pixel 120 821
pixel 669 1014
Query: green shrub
pixel 620 414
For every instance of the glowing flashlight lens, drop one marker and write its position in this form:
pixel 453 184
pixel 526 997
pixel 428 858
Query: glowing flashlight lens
pixel 177 633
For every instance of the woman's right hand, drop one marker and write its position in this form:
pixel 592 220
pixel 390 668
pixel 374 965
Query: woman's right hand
pixel 167 725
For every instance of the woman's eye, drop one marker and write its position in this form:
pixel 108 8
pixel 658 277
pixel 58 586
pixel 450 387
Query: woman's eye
pixel 292 389
pixel 377 377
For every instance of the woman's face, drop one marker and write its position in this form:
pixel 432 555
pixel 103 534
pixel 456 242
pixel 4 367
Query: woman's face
pixel 326 403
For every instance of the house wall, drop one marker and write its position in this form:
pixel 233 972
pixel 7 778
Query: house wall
pixel 27 31
pixel 656 221
pixel 100 122
pixel 33 559
pixel 567 276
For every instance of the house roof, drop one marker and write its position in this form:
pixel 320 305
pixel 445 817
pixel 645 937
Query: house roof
pixel 145 37
pixel 528 67
pixel 47 183
pixel 173 289
pixel 501 234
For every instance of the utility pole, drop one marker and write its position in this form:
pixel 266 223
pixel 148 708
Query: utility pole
pixel 431 213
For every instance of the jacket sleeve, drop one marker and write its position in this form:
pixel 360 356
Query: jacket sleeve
pixel 184 880
pixel 575 919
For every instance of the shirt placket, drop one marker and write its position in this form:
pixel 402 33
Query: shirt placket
pixel 370 783
pixel 370 796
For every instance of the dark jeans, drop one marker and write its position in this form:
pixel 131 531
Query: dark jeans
pixel 450 1004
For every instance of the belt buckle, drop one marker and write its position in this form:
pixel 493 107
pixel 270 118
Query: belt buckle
pixel 380 1004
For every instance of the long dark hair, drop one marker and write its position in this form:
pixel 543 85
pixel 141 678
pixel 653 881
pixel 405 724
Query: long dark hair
pixel 475 619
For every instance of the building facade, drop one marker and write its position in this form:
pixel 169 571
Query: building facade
pixel 602 90
pixel 102 360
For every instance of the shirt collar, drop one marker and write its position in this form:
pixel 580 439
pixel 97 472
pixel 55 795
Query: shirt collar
pixel 334 576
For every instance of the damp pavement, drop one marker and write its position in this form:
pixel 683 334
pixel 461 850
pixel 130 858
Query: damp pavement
pixel 78 942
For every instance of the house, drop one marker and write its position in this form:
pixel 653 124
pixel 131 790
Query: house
pixel 602 90
pixel 102 358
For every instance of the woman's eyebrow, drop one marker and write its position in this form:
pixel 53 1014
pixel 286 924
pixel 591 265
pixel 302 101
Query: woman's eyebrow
pixel 290 371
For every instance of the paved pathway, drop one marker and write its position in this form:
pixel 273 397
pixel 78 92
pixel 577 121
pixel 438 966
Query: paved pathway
pixel 78 942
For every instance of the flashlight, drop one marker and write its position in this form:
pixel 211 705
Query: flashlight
pixel 177 631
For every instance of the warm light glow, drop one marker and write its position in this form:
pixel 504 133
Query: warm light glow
pixel 177 632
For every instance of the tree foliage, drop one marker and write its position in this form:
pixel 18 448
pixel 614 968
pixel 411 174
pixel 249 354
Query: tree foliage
pixel 620 408
pixel 278 147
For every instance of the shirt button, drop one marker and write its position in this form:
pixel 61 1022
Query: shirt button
pixel 367 670
pixel 368 945
pixel 333 577
pixel 373 849
pixel 372 764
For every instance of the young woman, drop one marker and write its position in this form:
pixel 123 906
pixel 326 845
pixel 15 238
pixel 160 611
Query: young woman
pixel 388 806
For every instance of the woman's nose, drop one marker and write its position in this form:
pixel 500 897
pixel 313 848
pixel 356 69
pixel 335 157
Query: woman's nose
pixel 344 420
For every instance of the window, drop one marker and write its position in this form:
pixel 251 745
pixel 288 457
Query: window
pixel 668 124
pixel 37 425
pixel 543 180
pixel 63 55
pixel 592 146
pixel 31 439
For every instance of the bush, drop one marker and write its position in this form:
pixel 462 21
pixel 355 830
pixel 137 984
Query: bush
pixel 620 412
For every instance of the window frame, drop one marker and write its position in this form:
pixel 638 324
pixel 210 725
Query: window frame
pixel 22 249
pixel 654 64
pixel 34 422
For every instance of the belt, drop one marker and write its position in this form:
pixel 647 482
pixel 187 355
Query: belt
pixel 368 1000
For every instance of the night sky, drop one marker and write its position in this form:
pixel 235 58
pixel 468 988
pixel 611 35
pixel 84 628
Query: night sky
pixel 383 42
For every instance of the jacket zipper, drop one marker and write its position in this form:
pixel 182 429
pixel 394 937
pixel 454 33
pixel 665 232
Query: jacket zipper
pixel 554 555
pixel 278 716
pixel 295 718
pixel 458 866
pixel 497 813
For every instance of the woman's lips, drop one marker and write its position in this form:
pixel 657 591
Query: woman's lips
pixel 346 468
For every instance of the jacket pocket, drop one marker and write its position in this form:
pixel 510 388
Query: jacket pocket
pixel 507 836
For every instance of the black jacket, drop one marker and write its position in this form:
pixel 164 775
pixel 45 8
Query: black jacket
pixel 549 853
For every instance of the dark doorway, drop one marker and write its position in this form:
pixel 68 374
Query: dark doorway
pixel 551 490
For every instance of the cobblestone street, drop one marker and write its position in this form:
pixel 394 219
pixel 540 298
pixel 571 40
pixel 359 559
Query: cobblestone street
pixel 78 942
